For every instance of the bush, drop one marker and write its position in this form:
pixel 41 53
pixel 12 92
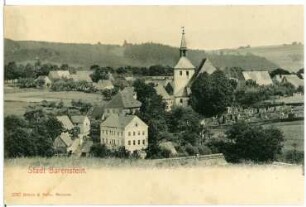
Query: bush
pixel 204 150
pixel 294 156
pixel 251 143
pixel 121 152
pixel 99 150
pixel 191 150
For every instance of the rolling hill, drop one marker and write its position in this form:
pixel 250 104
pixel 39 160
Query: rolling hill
pixel 147 54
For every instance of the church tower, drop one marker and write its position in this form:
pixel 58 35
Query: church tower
pixel 183 72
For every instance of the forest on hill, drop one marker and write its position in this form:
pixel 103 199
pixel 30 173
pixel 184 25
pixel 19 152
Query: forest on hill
pixel 140 55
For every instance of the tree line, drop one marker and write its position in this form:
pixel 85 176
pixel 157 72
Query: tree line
pixel 13 71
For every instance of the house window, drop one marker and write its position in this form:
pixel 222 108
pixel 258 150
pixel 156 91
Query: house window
pixel 136 125
pixel 129 142
pixel 134 142
pixel 129 133
pixel 181 100
pixel 143 141
pixel 181 73
pixel 187 73
pixel 143 132
pixel 134 133
pixel 121 133
pixel 138 142
pixel 138 132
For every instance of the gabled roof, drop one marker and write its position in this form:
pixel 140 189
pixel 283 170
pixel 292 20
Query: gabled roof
pixel 123 99
pixel 96 112
pixel 118 121
pixel 78 119
pixel 160 90
pixel 65 137
pixel 59 74
pixel 206 66
pixel 294 80
pixel 75 145
pixel 260 77
pixel 67 124
pixel 82 75
pixel 184 63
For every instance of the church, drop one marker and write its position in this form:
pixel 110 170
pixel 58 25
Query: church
pixel 184 75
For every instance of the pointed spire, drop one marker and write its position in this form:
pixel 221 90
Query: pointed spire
pixel 183 48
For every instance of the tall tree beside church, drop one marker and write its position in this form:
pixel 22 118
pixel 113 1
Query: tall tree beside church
pixel 211 94
pixel 152 112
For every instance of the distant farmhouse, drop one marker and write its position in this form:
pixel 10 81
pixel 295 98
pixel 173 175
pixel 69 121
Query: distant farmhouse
pixel 82 75
pixel 260 77
pixel 59 74
pixel 293 79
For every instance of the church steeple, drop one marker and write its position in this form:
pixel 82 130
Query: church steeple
pixel 183 48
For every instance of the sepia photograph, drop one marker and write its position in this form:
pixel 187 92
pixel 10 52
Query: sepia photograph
pixel 168 104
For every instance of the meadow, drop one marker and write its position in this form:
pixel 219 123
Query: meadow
pixel 93 162
pixel 293 133
pixel 16 100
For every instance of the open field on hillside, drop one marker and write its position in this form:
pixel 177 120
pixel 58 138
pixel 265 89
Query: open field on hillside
pixel 293 133
pixel 16 100
pixel 289 57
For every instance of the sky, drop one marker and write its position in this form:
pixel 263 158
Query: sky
pixel 206 27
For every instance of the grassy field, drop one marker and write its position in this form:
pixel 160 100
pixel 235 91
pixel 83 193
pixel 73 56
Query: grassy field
pixel 93 162
pixel 16 100
pixel 294 134
pixel 15 107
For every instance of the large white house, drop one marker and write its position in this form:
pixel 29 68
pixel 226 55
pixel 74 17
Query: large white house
pixel 128 131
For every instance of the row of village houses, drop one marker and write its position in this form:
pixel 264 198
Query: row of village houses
pixel 119 127
pixel 82 75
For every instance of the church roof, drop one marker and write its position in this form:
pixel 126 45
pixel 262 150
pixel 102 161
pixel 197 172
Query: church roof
pixel 184 63
pixel 206 66
pixel 183 42
pixel 160 90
